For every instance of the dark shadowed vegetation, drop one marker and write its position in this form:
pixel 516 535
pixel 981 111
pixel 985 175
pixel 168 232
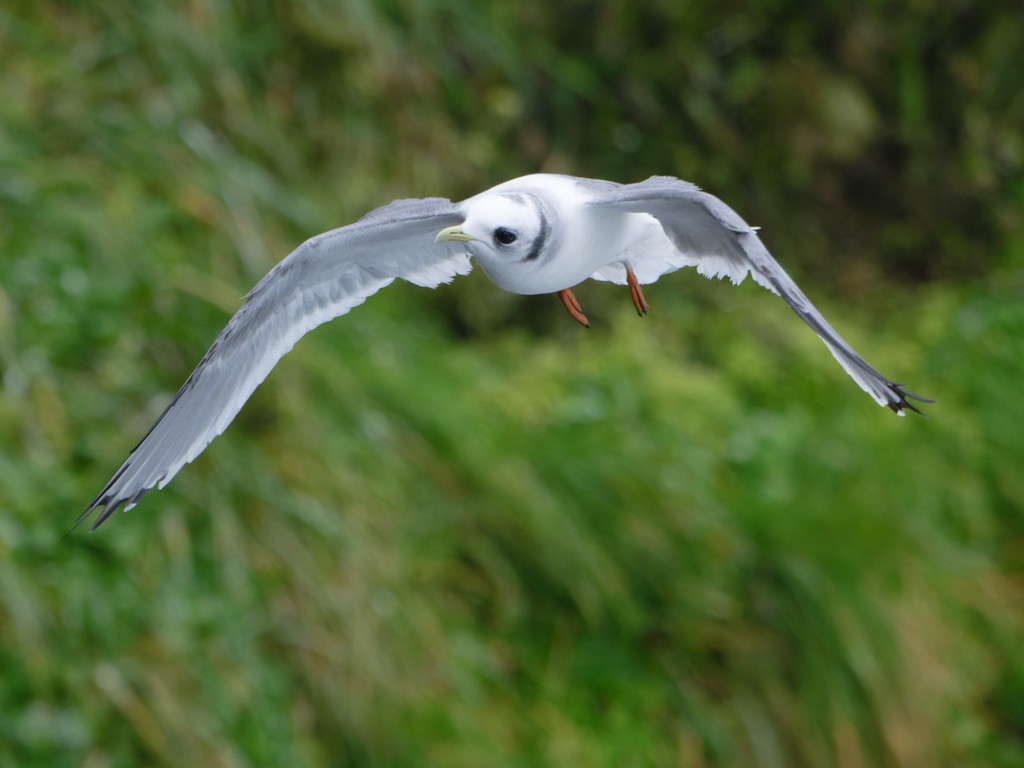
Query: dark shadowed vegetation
pixel 453 528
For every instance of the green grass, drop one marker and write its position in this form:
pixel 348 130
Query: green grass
pixel 453 528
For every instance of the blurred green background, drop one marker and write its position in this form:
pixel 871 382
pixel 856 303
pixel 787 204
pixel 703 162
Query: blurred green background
pixel 453 528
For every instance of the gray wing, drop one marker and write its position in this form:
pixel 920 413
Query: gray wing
pixel 321 279
pixel 708 234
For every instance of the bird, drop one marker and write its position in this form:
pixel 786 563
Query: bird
pixel 537 234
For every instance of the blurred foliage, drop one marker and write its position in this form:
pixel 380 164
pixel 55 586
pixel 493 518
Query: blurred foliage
pixel 452 528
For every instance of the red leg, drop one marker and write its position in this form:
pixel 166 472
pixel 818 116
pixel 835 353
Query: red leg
pixel 642 307
pixel 572 306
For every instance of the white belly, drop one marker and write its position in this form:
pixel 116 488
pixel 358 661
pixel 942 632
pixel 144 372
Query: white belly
pixel 595 240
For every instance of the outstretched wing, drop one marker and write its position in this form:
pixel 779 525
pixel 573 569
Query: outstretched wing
pixel 321 279
pixel 708 234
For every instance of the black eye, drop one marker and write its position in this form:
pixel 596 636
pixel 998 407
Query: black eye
pixel 504 236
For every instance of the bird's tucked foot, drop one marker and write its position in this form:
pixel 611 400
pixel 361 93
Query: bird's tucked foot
pixel 572 306
pixel 642 307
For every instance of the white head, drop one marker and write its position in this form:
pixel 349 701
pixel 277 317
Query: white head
pixel 508 234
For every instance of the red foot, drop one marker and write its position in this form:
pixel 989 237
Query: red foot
pixel 642 307
pixel 572 306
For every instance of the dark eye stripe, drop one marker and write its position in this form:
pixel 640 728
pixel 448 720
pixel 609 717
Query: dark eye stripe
pixel 542 236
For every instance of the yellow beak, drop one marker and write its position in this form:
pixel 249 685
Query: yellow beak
pixel 453 235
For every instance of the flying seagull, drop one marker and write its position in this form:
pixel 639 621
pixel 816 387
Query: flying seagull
pixel 537 234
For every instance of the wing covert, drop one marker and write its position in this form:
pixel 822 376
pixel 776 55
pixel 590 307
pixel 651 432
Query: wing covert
pixel 323 278
pixel 708 234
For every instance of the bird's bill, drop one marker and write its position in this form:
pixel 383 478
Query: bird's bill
pixel 453 235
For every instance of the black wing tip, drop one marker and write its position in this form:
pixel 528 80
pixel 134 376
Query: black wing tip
pixel 108 504
pixel 902 400
pixel 108 500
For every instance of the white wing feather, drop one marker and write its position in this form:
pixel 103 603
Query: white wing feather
pixel 706 233
pixel 323 278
